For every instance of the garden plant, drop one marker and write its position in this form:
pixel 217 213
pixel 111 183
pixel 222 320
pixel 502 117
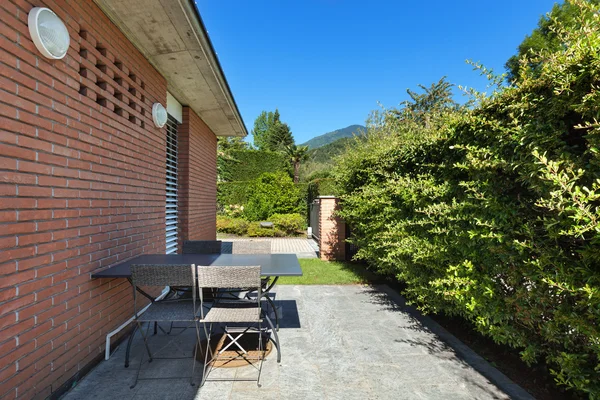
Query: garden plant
pixel 490 210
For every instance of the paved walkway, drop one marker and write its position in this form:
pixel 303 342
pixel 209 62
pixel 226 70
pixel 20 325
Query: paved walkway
pixel 338 342
pixel 303 248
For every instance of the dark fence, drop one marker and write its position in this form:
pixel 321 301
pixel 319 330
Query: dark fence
pixel 315 209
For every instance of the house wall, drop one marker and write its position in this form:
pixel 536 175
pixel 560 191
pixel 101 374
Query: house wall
pixel 197 179
pixel 82 187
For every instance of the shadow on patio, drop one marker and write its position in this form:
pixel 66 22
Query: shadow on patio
pixel 337 342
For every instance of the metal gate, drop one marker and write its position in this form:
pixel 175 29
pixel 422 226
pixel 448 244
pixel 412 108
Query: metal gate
pixel 315 209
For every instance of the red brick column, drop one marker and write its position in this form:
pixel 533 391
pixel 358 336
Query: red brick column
pixel 197 179
pixel 332 230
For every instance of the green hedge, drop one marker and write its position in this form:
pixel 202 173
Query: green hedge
pixel 493 213
pixel 246 165
pixel 229 193
pixel 283 225
pixel 271 193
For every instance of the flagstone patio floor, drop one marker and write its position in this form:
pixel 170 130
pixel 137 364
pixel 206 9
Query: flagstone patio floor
pixel 338 342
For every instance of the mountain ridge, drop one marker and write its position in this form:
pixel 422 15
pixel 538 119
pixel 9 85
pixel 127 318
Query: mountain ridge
pixel 330 137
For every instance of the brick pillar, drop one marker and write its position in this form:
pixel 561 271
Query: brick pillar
pixel 332 230
pixel 197 179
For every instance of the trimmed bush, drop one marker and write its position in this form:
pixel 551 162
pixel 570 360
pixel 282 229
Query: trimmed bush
pixel 255 230
pixel 246 165
pixel 290 224
pixel 235 226
pixel 230 193
pixel 270 194
pixel 492 213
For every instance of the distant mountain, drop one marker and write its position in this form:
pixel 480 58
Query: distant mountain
pixel 331 137
pixel 326 153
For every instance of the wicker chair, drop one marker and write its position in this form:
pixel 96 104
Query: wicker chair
pixel 202 247
pixel 257 247
pixel 173 310
pixel 197 247
pixel 245 314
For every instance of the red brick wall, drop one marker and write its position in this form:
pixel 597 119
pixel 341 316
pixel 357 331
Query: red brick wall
pixel 82 186
pixel 332 230
pixel 197 179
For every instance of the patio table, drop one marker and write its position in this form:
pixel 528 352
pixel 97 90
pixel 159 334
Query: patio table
pixel 271 265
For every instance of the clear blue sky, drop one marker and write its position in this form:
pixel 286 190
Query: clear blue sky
pixel 327 63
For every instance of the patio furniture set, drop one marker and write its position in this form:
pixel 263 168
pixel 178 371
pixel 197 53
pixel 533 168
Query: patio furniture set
pixel 208 290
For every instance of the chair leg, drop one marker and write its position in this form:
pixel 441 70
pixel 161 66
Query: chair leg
pixel 129 342
pixel 276 341
pixel 234 340
pixel 198 344
pixel 146 341
pixel 206 354
pixel 155 327
pixel 137 374
pixel 260 350
pixel 195 354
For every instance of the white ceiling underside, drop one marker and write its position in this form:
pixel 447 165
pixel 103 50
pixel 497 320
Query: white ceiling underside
pixel 170 35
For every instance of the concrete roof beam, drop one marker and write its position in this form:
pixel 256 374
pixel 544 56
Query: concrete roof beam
pixel 171 35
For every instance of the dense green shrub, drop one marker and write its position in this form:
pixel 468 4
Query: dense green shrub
pixel 232 193
pixel 492 212
pixel 246 165
pixel 269 194
pixel 233 211
pixel 322 187
pixel 255 230
pixel 290 224
pixel 235 226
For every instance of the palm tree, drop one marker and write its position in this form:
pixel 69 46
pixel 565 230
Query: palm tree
pixel 296 154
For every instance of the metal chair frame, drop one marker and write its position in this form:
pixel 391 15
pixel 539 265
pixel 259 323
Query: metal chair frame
pixel 258 247
pixel 223 278
pixel 163 275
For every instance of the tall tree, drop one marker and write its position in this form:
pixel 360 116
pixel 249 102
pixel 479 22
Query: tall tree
pixel 270 133
pixel 262 125
pixel 423 107
pixel 296 155
pixel 544 37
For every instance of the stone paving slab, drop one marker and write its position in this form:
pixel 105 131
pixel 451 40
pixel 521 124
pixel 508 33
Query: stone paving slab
pixel 302 247
pixel 338 342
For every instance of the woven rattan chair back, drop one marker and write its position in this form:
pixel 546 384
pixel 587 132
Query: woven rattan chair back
pixel 162 275
pixel 228 276
pixel 251 247
pixel 202 247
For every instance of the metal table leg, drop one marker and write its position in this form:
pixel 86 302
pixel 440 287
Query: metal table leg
pixel 276 338
pixel 130 340
pixel 266 295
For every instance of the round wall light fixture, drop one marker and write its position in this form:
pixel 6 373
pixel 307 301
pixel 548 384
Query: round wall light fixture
pixel 159 115
pixel 48 32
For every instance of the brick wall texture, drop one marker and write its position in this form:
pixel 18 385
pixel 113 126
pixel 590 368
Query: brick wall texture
pixel 332 230
pixel 197 179
pixel 82 187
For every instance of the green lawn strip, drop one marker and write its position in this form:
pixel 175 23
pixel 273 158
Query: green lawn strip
pixel 319 272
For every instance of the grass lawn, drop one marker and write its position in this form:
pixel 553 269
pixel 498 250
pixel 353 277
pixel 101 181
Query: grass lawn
pixel 318 272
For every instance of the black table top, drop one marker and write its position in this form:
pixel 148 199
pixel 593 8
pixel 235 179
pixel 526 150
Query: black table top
pixel 270 264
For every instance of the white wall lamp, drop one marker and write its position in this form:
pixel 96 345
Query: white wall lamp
pixel 48 32
pixel 159 115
